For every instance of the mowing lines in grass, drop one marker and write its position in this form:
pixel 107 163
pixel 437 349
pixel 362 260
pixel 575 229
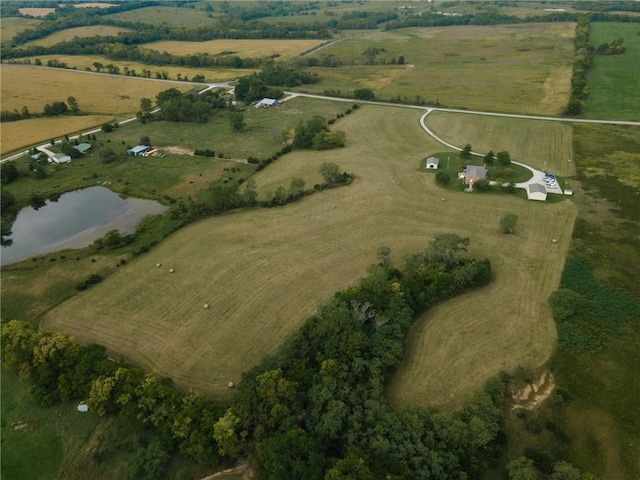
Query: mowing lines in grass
pixel 262 271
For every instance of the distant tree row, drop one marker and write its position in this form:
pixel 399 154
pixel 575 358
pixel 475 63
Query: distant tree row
pixel 50 110
pixel 581 66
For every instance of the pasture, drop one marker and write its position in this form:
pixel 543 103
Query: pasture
pixel 613 79
pixel 242 48
pixel 78 32
pixel 540 144
pixel 166 15
pixel 85 62
pixel 36 12
pixel 510 68
pixel 11 26
pixel 262 271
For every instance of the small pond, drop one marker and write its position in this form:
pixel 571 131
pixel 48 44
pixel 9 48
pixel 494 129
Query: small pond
pixel 74 221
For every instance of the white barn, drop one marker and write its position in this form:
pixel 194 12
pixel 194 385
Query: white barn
pixel 537 191
pixel 432 163
pixel 60 158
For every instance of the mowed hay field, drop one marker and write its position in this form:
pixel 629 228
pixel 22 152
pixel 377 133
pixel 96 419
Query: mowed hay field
pixel 540 144
pixel 263 271
pixel 80 32
pixel 511 68
pixel 173 16
pixel 11 26
pixel 37 12
pixel 242 48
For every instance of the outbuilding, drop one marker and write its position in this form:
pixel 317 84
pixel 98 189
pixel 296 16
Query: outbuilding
pixel 433 162
pixel 138 150
pixel 82 147
pixel 537 191
pixel 267 102
pixel 60 158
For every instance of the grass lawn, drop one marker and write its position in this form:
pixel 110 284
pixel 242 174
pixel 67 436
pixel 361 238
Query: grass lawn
pixel 172 16
pixel 242 48
pixel 35 441
pixel 613 80
pixel 11 26
pixel 263 270
pixel 80 32
pixel 542 145
pixel 523 68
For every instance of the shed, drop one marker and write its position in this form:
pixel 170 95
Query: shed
pixel 267 102
pixel 537 191
pixel 83 407
pixel 433 162
pixel 138 150
pixel 61 158
pixel 82 147
pixel 473 173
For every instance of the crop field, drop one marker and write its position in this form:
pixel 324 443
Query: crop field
pixel 23 133
pixel 37 12
pixel 172 16
pixel 613 79
pixel 85 62
pixel 242 48
pixel 511 68
pixel 262 271
pixel 11 26
pixel 542 145
pixel 80 32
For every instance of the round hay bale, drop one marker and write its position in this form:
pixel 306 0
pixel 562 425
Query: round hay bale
pixel 158 265
pixel 555 240
pixel 206 306
pixel 171 270
pixel 231 385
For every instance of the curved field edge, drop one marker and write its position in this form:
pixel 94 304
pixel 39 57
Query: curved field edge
pixel 263 271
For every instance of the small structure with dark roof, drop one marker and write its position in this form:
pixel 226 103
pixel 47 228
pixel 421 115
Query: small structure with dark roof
pixel 432 163
pixel 537 191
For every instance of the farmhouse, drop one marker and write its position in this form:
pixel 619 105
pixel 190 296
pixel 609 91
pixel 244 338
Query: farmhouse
pixel 267 102
pixel 433 162
pixel 82 147
pixel 537 191
pixel 473 173
pixel 60 158
pixel 138 150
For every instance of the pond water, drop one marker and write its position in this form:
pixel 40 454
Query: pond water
pixel 74 221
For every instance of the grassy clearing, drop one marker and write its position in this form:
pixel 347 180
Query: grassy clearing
pixel 613 79
pixel 172 16
pixel 85 62
pixel 79 32
pixel 524 68
pixel 262 271
pixel 21 134
pixel 38 449
pixel 11 26
pixel 542 145
pixel 242 48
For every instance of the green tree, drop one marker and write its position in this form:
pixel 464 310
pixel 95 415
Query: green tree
pixel 227 439
pixel 73 105
pixel 98 66
pixel 107 155
pixel 364 94
pixel 8 173
pixel 565 303
pixel 250 194
pixel 401 60
pixel 37 201
pixel 565 471
pixel 330 174
pixel 489 158
pixel 237 121
pixel 508 223
pixel 145 140
pixel 280 196
pixel 504 158
pixel 145 105
pixel 384 256
pixel 443 178
pixel 522 469
pixel 466 151
pixel 296 188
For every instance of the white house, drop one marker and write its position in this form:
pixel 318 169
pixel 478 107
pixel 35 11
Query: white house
pixel 537 191
pixel 433 162
pixel 60 158
pixel 473 173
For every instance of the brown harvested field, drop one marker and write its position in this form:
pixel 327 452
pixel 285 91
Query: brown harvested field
pixel 543 145
pixel 262 271
pixel 242 48
pixel 36 12
pixel 80 32
pixel 84 62
pixel 24 133
pixel 510 68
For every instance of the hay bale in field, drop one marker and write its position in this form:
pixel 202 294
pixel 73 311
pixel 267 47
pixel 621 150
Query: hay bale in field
pixel 171 270
pixel 231 385
pixel 158 265
pixel 206 306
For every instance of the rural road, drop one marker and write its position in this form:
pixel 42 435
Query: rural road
pixel 227 84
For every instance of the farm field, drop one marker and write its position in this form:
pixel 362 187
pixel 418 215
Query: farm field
pixel 11 26
pixel 172 16
pixel 263 271
pixel 542 145
pixel 37 12
pixel 80 32
pixel 84 62
pixel 242 48
pixel 23 133
pixel 613 79
pixel 511 68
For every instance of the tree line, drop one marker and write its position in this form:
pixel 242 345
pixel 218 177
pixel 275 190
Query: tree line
pixel 581 66
pixel 52 109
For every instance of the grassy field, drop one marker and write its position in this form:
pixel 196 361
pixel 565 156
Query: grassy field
pixel 242 48
pixel 83 62
pixel 524 68
pixel 79 32
pixel 35 441
pixel 542 145
pixel 37 12
pixel 613 79
pixel 21 134
pixel 172 16
pixel 263 271
pixel 11 26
